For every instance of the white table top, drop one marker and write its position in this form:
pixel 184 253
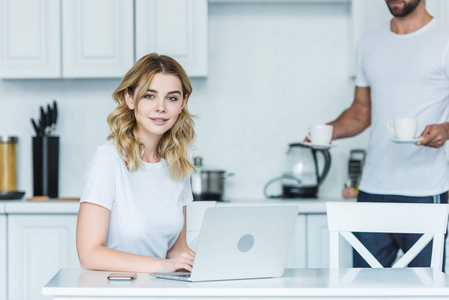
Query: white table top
pixel 313 283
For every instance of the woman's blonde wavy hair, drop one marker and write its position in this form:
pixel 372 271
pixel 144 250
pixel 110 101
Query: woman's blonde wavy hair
pixel 175 142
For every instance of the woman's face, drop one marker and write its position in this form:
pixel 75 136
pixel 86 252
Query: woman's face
pixel 160 105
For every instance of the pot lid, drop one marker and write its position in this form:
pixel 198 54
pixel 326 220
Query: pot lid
pixel 211 171
pixel 198 163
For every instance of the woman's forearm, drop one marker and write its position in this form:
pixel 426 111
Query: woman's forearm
pixel 103 258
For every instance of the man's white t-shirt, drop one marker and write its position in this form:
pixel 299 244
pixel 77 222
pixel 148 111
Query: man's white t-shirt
pixel 146 205
pixel 409 78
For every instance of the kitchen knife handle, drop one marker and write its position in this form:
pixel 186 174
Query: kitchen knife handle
pixel 36 128
pixel 50 115
pixel 55 112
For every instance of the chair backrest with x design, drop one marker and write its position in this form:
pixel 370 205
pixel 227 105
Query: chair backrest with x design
pixel 430 220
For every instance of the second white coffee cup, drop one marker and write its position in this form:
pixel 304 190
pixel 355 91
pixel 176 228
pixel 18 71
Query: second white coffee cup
pixel 320 134
pixel 403 129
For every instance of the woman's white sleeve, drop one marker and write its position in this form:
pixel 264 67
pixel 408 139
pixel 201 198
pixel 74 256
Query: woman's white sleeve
pixel 186 196
pixel 100 178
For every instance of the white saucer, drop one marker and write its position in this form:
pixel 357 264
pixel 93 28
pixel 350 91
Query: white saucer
pixel 315 146
pixel 408 141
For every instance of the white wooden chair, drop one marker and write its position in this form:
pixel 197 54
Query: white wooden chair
pixel 195 214
pixel 427 219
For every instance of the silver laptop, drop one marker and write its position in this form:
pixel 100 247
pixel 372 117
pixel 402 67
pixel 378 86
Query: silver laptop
pixel 241 243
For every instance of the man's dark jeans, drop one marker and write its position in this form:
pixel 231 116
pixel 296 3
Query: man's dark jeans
pixel 385 246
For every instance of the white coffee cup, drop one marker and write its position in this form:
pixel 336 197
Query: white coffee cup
pixel 320 134
pixel 403 129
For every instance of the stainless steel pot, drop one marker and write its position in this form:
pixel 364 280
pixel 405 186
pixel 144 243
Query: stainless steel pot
pixel 208 184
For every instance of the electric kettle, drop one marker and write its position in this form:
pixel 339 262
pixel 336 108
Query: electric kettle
pixel 305 170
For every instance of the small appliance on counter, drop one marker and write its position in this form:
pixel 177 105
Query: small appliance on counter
pixel 207 184
pixel 355 168
pixel 8 169
pixel 303 172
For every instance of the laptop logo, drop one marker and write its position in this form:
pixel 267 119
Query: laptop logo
pixel 245 243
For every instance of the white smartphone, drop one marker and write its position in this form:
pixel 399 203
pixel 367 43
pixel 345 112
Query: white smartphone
pixel 122 276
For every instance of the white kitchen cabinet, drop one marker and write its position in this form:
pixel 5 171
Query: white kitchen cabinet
pixel 98 38
pixel 30 32
pixel 318 243
pixel 3 270
pixel 177 28
pixel 297 257
pixel 38 246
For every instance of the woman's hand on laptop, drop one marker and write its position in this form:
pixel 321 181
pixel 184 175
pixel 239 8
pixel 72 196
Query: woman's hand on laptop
pixel 182 261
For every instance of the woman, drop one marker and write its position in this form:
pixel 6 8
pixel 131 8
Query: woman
pixel 132 212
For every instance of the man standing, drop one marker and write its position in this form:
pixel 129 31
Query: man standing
pixel 402 72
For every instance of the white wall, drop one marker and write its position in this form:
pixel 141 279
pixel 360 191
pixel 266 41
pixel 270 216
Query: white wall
pixel 274 69
pixel 83 108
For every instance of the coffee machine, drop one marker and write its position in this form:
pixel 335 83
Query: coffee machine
pixel 305 170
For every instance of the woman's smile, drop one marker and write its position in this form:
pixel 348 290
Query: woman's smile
pixel 159 121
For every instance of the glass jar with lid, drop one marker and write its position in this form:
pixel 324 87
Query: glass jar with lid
pixel 8 168
pixel 8 171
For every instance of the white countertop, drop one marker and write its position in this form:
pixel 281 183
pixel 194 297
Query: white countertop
pixel 306 205
pixel 314 283
pixel 46 207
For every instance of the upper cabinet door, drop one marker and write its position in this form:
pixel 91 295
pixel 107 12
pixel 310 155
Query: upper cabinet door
pixel 30 34
pixel 98 38
pixel 177 28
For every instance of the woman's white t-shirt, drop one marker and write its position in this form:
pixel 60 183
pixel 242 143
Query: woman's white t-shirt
pixel 146 205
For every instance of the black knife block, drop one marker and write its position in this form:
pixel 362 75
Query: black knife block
pixel 46 166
